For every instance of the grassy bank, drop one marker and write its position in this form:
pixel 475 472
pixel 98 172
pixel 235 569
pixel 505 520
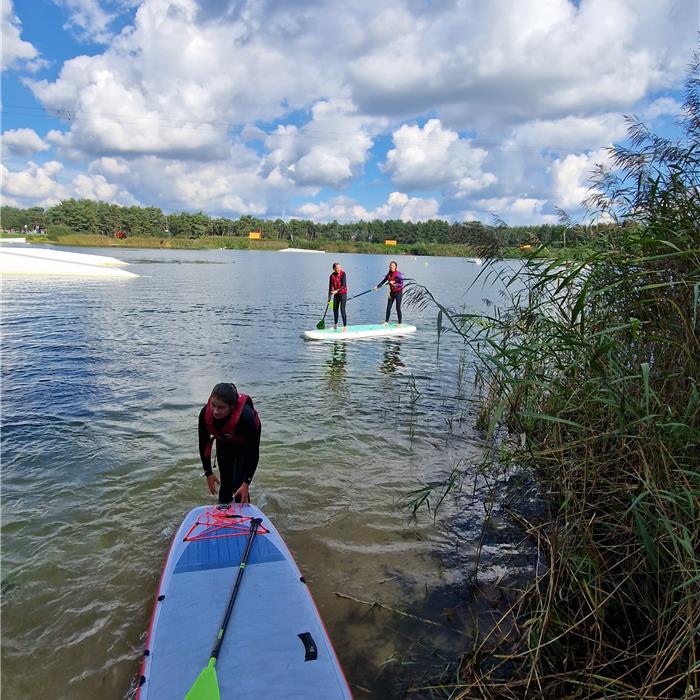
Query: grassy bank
pixel 593 367
pixel 70 238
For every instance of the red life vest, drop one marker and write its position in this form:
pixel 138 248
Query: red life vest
pixel 227 432
pixel 337 284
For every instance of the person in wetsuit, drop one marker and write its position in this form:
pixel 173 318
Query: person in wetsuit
pixel 230 420
pixel 395 280
pixel 338 292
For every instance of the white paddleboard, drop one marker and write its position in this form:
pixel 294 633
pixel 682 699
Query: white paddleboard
pixel 275 645
pixel 375 330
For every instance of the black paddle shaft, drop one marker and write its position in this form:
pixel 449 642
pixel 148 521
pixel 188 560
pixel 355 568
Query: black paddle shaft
pixel 361 293
pixel 254 523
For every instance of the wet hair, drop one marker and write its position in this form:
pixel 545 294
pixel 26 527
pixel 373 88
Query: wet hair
pixel 334 265
pixel 226 392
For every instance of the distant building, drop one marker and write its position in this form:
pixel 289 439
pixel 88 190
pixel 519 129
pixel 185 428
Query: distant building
pixel 255 235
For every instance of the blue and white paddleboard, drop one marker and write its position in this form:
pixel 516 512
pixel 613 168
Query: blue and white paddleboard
pixel 275 645
pixel 374 330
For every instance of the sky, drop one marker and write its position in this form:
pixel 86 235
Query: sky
pixel 333 110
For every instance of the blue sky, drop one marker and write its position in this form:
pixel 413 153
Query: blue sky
pixel 410 109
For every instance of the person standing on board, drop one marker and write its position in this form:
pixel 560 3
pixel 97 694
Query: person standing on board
pixel 338 292
pixel 230 419
pixel 395 280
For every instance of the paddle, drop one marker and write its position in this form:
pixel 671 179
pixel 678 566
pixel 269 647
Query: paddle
pixel 361 293
pixel 322 323
pixel 206 687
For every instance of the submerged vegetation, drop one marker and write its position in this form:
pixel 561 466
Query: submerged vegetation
pixel 593 368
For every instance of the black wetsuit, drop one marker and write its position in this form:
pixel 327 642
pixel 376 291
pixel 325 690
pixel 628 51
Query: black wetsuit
pixel 340 297
pixel 237 462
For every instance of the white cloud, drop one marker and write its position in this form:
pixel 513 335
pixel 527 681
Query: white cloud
pixel 570 133
pixel 663 106
pixel 398 206
pixel 23 141
pixel 88 19
pixel 36 183
pixel 245 107
pixel 15 51
pixel 514 211
pixel 479 63
pixel 571 176
pixel 231 185
pixel 435 157
pixel 175 85
pixel 327 151
pixel 97 187
pixel 401 206
pixel 109 166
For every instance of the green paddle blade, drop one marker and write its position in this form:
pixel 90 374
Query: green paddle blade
pixel 321 325
pixel 206 687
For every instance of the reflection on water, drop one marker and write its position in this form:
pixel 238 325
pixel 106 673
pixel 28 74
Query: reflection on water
pixel 337 362
pixel 392 357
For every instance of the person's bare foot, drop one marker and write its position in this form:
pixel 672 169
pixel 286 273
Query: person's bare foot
pixel 386 323
pixel 399 325
pixel 345 328
pixel 335 326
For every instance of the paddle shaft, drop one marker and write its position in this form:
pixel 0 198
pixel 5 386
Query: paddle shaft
pixel 360 294
pixel 254 523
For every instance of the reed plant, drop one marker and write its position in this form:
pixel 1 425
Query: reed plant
pixel 593 366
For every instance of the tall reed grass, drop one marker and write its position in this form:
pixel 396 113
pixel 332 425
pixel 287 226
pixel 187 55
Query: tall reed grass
pixel 594 365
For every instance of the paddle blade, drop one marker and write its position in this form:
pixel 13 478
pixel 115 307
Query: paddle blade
pixel 321 325
pixel 206 687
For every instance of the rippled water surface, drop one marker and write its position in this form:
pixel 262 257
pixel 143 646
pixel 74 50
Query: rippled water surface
pixel 102 382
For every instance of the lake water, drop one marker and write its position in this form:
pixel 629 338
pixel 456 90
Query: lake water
pixel 102 382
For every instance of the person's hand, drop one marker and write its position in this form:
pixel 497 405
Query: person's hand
pixel 333 292
pixel 243 492
pixel 374 289
pixel 212 483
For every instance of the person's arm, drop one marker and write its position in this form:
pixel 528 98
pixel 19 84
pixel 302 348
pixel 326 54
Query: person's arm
pixel 205 454
pixel 204 438
pixel 330 287
pixel 399 280
pixel 344 283
pixel 386 277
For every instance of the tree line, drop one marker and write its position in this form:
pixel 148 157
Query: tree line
pixel 89 216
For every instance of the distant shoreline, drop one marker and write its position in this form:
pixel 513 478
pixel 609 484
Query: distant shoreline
pixel 329 246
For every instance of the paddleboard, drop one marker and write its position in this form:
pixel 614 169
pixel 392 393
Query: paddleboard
pixel 376 330
pixel 275 645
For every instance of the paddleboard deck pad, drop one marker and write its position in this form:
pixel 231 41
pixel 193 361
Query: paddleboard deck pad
pixel 275 645
pixel 375 330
